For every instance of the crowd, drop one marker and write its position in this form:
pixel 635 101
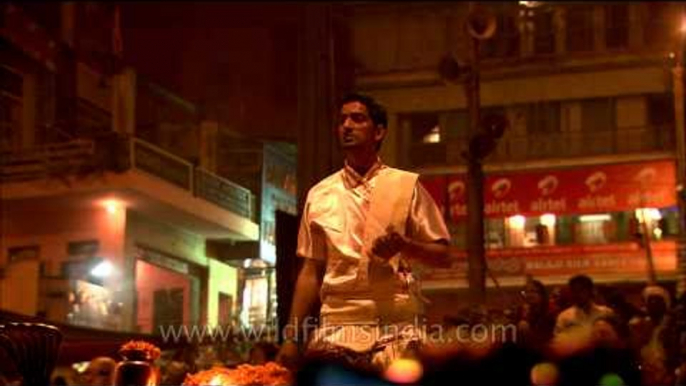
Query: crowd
pixel 576 335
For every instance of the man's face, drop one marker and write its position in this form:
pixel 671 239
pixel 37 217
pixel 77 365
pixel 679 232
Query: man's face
pixel 655 305
pixel 356 129
pixel 100 372
pixel 581 295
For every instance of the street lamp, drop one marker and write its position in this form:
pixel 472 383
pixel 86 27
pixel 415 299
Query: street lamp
pixel 680 137
pixel 481 25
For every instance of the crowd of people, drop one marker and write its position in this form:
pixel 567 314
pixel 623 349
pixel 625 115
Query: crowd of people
pixel 577 337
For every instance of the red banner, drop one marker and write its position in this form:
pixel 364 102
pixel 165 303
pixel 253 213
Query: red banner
pixel 590 189
pixel 608 259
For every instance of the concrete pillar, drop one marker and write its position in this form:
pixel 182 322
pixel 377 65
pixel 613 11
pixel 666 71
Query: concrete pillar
pixel 124 102
pixel 68 25
pixel 318 154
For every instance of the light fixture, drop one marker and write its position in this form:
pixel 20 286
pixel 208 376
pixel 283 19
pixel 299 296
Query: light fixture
pixel 653 214
pixel 548 220
pixel 111 206
pixel 102 269
pixel 517 221
pixel 594 217
pixel 433 136
pixel 530 4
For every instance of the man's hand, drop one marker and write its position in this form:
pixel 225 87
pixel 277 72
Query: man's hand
pixel 288 355
pixel 389 245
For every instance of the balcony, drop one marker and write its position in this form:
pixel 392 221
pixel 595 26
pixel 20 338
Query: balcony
pixel 118 154
pixel 143 176
pixel 514 148
pixel 584 144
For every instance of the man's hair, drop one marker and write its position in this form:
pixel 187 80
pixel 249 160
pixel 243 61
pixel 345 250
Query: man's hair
pixel 377 112
pixel 582 281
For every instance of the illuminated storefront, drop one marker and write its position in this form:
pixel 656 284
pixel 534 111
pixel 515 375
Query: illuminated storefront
pixel 555 223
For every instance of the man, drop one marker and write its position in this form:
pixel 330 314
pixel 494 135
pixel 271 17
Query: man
pixel 361 230
pixel 100 372
pixel 584 311
pixel 655 338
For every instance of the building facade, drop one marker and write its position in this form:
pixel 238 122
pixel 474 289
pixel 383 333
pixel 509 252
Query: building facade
pixel 590 151
pixel 100 227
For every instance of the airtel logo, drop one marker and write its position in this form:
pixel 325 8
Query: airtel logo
pixel 646 176
pixel 501 187
pixel 596 181
pixel 548 185
pixel 456 190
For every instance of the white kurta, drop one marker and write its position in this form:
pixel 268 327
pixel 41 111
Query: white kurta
pixel 335 229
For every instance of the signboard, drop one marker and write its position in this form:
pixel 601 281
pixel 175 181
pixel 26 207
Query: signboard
pixel 590 189
pixel 605 259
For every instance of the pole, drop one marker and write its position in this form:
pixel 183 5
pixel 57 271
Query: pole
pixel 680 137
pixel 475 205
pixel 652 279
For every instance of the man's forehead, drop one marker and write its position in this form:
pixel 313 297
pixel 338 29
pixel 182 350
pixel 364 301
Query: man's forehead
pixel 354 107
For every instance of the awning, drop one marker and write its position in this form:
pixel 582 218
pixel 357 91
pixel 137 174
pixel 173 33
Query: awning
pixel 588 189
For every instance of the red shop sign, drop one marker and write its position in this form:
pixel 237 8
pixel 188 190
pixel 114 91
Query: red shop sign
pixel 590 189
pixel 607 259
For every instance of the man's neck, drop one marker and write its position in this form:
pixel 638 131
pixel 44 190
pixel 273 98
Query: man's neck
pixel 586 307
pixel 361 162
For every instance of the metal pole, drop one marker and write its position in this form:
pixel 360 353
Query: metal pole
pixel 680 137
pixel 475 177
pixel 652 279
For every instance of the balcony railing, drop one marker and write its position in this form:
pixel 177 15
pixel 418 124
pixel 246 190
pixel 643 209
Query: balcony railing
pixel 534 146
pixel 119 154
pixel 584 143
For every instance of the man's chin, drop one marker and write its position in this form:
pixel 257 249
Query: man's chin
pixel 349 145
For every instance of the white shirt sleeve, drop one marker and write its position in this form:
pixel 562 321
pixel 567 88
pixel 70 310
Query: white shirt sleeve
pixel 425 222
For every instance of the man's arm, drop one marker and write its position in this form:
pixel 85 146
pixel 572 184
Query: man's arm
pixel 306 292
pixel 433 254
pixel 305 296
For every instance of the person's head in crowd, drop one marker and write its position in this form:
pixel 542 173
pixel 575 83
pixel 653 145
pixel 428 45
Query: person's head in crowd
pixel 535 295
pixel 100 372
pixel 581 288
pixel 657 301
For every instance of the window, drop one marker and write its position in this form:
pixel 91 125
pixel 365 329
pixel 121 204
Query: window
pixel 505 42
pixel 598 114
pixel 424 126
pixel 11 108
pixel 544 32
pixel 660 110
pixel 543 117
pixel 658 30
pixel 617 26
pixel 456 125
pixel 594 229
pixel 579 25
pixel 423 138
pixel 23 253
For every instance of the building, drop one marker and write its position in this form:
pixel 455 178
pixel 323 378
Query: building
pixel 100 227
pixel 590 152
